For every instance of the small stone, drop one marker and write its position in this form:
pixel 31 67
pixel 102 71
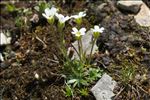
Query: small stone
pixel 36 75
pixel 124 38
pixel 11 55
pixel 138 77
pixel 4 65
pixel 101 6
pixel 35 18
pixel 103 90
pixel 106 60
pixel 15 64
pixel 143 17
pixel 16 45
pixel 1 57
pixel 4 40
pixel 130 6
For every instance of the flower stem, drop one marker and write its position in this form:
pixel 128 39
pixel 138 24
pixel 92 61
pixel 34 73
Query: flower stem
pixel 82 52
pixel 79 49
pixel 75 50
pixel 93 42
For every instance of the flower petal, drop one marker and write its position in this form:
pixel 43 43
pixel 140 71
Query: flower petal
pixel 96 27
pixel 61 18
pixel 45 15
pixel 75 16
pixel 67 18
pixel 47 11
pixel 101 29
pixel 53 9
pixel 75 29
pixel 82 14
pixel 82 31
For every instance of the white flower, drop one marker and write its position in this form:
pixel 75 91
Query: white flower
pixel 4 40
pixel 50 12
pixel 61 18
pixel 77 32
pixel 80 15
pixel 98 29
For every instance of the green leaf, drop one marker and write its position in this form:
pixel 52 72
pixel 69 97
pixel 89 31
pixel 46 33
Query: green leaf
pixel 68 91
pixel 10 7
pixel 84 91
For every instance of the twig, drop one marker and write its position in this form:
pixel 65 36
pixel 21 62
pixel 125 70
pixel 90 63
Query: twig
pixel 93 42
pixel 45 46
pixel 55 61
pixel 1 73
pixel 102 64
pixel 134 90
pixel 142 89
pixel 1 93
pixel 138 92
pixel 119 93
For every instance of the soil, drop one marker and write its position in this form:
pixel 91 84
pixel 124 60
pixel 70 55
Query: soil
pixel 34 49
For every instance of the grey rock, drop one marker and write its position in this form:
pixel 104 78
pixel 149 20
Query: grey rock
pixel 143 17
pixel 101 6
pixel 86 42
pixel 130 5
pixel 103 90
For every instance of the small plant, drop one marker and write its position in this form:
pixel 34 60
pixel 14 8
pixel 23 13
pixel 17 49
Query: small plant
pixel 79 72
pixel 93 74
pixel 96 33
pixel 79 34
pixel 68 91
pixel 42 6
pixel 74 70
pixel 11 8
pixel 84 91
pixel 20 14
pixel 61 21
pixel 127 72
pixel 19 22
